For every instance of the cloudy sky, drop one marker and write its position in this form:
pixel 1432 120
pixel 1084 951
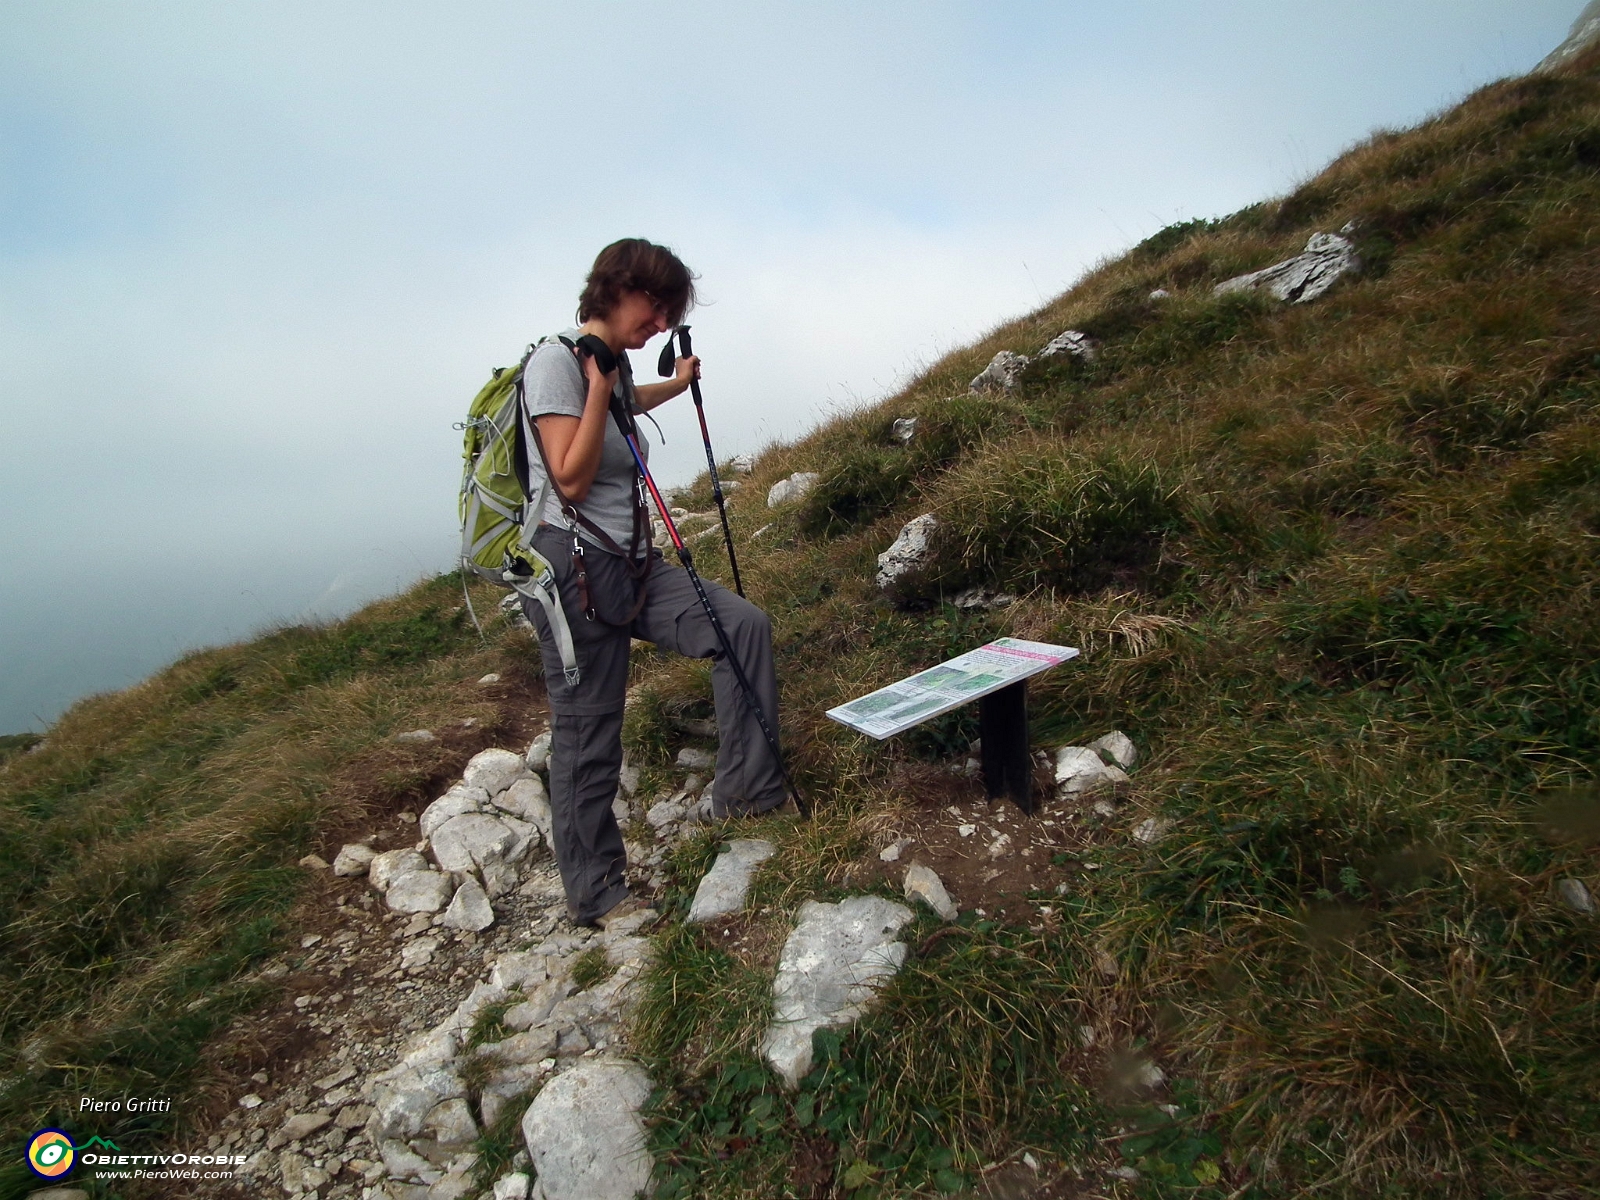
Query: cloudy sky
pixel 256 257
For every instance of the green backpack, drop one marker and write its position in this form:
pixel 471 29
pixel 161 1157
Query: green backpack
pixel 498 519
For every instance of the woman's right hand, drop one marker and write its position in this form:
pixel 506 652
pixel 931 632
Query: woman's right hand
pixel 596 377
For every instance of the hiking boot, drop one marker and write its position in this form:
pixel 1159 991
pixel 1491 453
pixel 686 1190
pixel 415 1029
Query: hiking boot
pixel 628 906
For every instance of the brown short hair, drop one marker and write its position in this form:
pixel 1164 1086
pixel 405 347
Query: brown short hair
pixel 642 266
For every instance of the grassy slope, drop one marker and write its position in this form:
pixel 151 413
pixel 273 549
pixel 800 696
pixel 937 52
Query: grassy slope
pixel 148 848
pixel 1333 566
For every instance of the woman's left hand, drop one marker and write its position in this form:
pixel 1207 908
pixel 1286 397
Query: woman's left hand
pixel 688 368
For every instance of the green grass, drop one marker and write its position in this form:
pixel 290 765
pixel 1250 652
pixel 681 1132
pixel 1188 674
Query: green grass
pixel 148 848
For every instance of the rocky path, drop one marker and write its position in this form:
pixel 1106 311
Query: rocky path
pixel 445 984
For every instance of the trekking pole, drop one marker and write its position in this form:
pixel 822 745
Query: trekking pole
pixel 664 367
pixel 624 420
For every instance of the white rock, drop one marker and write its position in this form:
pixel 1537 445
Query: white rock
pixel 903 430
pixel 302 1125
pixel 464 844
pixel 527 800
pixel 524 837
pixel 1080 770
pixel 910 553
pixel 664 813
pixel 793 488
pixel 353 859
pixel 832 965
pixel 1119 746
pixel 403 1097
pixel 1159 294
pixel 415 737
pixel 1001 374
pixel 538 756
pixel 1328 258
pixel 690 759
pixel 739 464
pixel 486 680
pixel 451 1122
pixel 401 1162
pixel 298 1173
pixel 1151 830
pixel 628 779
pixel 315 861
pixel 419 891
pixel 585 1135
pixel 722 889
pixel 418 953
pixel 922 883
pixel 470 909
pixel 493 770
pixel 893 851
pixel 458 801
pixel 511 1187
pixel 385 867
pixel 1585 32
pixel 982 598
pixel 1074 343
pixel 1574 895
pixel 1001 846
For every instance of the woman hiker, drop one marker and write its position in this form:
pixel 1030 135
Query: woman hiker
pixel 615 586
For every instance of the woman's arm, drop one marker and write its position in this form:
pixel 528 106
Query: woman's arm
pixel 572 445
pixel 652 394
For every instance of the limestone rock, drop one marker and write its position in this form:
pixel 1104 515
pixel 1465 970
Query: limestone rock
pixel 303 1125
pixel 403 1096
pixel 665 813
pixel 1001 374
pixel 690 759
pixel 911 552
pixel 353 859
pixel 1119 746
pixel 1072 342
pixel 314 861
pixel 585 1135
pixel 923 883
pixel 464 844
pixel 1574 895
pixel 903 430
pixel 723 888
pixel 832 964
pixel 538 756
pixel 527 800
pixel 419 891
pixel 451 1123
pixel 298 1173
pixel 386 867
pixel 493 770
pixel 415 737
pixel 1080 770
pixel 796 487
pixel 982 598
pixel 470 909
pixel 739 464
pixel 458 801
pixel 1151 830
pixel 893 851
pixel 1328 258
pixel 511 1187
pixel 1585 32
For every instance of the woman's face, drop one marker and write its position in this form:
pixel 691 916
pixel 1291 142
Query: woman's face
pixel 638 317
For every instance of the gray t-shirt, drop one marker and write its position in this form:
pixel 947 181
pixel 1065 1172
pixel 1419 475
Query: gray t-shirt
pixel 553 382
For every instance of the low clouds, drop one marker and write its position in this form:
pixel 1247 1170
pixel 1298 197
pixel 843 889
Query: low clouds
pixel 255 259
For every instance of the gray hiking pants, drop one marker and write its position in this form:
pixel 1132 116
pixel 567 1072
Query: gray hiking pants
pixel 586 720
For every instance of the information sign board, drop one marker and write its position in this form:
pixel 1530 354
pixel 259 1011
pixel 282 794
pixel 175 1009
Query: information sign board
pixel 937 690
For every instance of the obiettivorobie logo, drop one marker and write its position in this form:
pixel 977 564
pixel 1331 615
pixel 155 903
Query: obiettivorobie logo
pixel 51 1154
